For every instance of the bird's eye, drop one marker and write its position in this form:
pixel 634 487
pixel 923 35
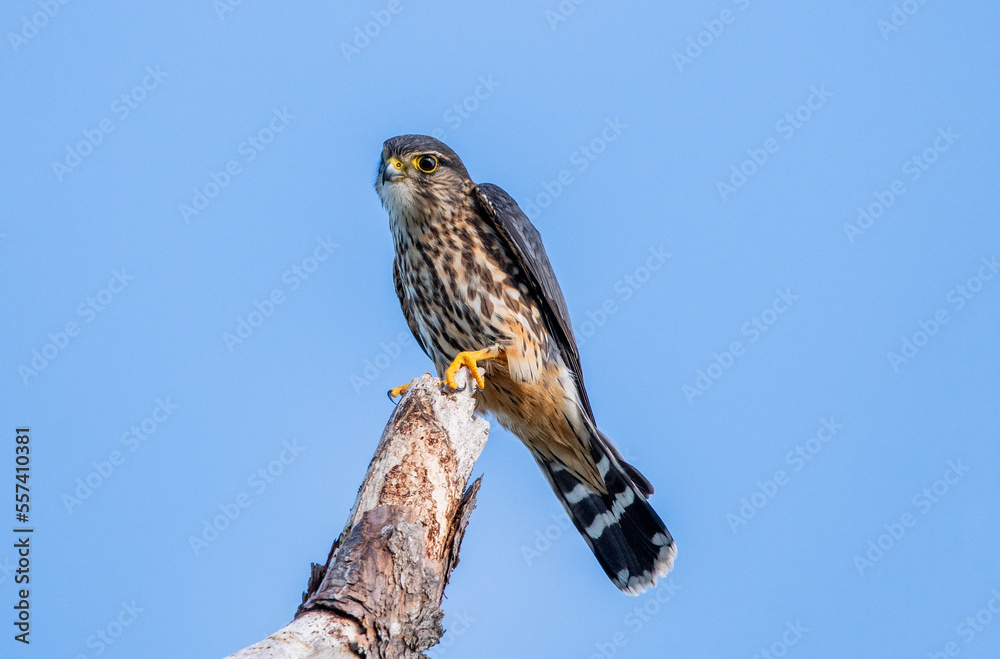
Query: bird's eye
pixel 426 164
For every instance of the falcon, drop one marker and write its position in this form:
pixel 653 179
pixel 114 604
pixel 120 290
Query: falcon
pixel 477 290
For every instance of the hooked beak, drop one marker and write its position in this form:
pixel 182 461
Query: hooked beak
pixel 392 171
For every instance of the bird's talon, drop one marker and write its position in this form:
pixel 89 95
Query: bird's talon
pixel 396 392
pixel 447 385
pixel 468 359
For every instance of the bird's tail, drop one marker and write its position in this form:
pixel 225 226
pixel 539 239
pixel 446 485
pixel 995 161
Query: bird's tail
pixel 626 535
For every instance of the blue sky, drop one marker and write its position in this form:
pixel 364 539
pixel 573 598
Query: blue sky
pixel 775 225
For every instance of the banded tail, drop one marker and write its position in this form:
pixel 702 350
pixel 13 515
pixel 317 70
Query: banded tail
pixel 628 538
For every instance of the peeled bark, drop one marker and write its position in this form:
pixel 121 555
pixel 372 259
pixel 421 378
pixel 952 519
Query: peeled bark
pixel 379 593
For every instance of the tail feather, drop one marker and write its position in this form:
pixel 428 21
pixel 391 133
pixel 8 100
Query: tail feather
pixel 643 485
pixel 626 535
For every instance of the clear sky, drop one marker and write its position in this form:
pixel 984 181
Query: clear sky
pixel 775 224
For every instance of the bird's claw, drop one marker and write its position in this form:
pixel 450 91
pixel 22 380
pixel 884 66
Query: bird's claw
pixel 396 392
pixel 468 359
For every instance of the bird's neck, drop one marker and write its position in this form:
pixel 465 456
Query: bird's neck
pixel 418 225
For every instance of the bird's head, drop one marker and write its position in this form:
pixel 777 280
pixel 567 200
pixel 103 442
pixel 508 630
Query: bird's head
pixel 419 175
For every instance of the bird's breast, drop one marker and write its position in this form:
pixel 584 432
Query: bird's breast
pixel 465 291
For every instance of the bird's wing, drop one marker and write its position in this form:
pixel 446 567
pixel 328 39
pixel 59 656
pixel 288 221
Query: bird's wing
pixel 525 243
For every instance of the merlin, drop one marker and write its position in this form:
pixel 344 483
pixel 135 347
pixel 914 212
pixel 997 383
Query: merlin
pixel 477 290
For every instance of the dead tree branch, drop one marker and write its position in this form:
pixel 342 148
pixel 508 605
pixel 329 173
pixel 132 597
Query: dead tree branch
pixel 379 593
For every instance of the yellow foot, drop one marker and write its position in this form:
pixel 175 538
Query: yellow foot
pixel 398 391
pixel 469 359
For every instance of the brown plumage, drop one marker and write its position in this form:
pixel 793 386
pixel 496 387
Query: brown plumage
pixel 471 275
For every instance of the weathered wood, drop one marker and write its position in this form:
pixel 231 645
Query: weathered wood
pixel 379 594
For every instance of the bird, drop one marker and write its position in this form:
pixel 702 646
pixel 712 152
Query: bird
pixel 477 290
